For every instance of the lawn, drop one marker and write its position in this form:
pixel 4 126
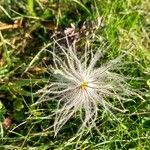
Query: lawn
pixel 30 32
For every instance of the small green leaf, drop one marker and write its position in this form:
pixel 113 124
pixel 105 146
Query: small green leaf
pixel 18 105
pixel 19 115
pixel 146 124
pixel 148 82
pixel 30 7
pixel 124 126
pixel 1 130
pixel 2 111
pixel 1 105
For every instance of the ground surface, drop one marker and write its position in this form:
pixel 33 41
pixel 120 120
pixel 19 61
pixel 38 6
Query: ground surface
pixel 27 26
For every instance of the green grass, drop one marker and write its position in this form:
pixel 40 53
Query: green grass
pixel 23 70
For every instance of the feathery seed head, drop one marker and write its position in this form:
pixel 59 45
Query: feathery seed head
pixel 83 86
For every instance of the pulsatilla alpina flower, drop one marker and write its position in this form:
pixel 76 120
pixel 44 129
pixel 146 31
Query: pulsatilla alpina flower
pixel 83 85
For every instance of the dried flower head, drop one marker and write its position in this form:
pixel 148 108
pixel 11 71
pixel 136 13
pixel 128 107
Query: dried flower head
pixel 7 122
pixel 83 85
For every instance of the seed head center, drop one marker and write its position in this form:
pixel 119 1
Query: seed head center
pixel 84 85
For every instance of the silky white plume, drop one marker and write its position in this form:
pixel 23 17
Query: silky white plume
pixel 82 85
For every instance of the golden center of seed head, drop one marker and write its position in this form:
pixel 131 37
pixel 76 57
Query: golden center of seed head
pixel 84 85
